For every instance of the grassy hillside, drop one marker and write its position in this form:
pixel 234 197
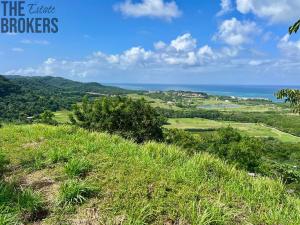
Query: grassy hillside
pixel 251 129
pixel 94 178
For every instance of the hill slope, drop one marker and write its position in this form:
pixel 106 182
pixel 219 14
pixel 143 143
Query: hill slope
pixel 21 97
pixel 135 184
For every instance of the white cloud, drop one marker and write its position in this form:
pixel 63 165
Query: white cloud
pixel 184 43
pixel 182 52
pixel 17 49
pixel 149 8
pixel 226 6
pixel 37 42
pixel 235 33
pixel 288 47
pixel 159 45
pixel 276 11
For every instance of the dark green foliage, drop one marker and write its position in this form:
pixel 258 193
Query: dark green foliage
pixel 22 97
pixel 228 144
pixel 133 119
pixel 184 139
pixel 291 96
pixel 75 192
pixel 294 28
pixel 47 117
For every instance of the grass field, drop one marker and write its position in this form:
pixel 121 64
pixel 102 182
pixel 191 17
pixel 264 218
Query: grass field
pixel 62 116
pixel 154 102
pixel 65 175
pixel 252 129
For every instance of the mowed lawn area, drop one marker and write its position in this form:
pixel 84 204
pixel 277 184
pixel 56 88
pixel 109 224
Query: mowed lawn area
pixel 251 129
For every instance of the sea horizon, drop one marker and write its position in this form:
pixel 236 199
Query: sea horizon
pixel 236 90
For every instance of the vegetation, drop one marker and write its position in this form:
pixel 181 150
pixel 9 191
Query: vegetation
pixel 23 97
pixel 283 122
pixel 74 192
pixel 199 125
pixel 133 119
pixel 141 184
pixel 77 167
pixel 291 95
pixel 294 28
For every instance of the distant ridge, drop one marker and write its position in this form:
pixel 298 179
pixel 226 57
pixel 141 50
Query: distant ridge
pixel 22 97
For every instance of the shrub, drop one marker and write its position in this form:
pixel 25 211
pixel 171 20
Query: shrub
pixel 47 117
pixel 77 167
pixel 228 144
pixel 75 192
pixel 184 139
pixel 132 119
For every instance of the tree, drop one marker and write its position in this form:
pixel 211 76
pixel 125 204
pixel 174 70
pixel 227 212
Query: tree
pixel 47 117
pixel 133 119
pixel 291 95
pixel 229 144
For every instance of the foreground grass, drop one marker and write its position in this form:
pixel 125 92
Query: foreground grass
pixel 127 183
pixel 251 129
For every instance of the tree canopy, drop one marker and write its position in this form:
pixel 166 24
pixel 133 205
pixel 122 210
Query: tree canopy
pixel 133 119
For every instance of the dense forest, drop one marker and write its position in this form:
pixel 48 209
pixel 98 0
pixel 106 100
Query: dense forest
pixel 23 97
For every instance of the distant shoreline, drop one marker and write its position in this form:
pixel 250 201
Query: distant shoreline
pixel 240 91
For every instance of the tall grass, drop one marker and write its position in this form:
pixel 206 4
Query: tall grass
pixel 75 192
pixel 152 183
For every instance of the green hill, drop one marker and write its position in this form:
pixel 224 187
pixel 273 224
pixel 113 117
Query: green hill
pixel 22 97
pixel 95 178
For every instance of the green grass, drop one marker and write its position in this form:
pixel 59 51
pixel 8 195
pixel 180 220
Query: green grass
pixel 252 129
pixel 143 184
pixel 74 192
pixel 77 167
pixel 62 116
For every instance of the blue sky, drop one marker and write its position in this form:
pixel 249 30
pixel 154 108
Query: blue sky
pixel 162 41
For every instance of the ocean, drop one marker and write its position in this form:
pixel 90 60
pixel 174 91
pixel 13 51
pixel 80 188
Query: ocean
pixel 244 91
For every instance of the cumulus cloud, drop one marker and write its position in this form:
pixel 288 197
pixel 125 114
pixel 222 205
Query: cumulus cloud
pixel 276 11
pixel 226 6
pixel 182 52
pixel 235 33
pixel 149 8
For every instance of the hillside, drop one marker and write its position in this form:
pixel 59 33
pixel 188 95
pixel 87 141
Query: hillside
pixel 94 178
pixel 7 87
pixel 22 97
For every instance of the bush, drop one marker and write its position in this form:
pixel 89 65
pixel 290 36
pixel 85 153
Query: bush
pixel 75 192
pixel 77 168
pixel 184 139
pixel 132 119
pixel 228 144
pixel 47 117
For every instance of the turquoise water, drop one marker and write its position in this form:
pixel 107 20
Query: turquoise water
pixel 246 91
